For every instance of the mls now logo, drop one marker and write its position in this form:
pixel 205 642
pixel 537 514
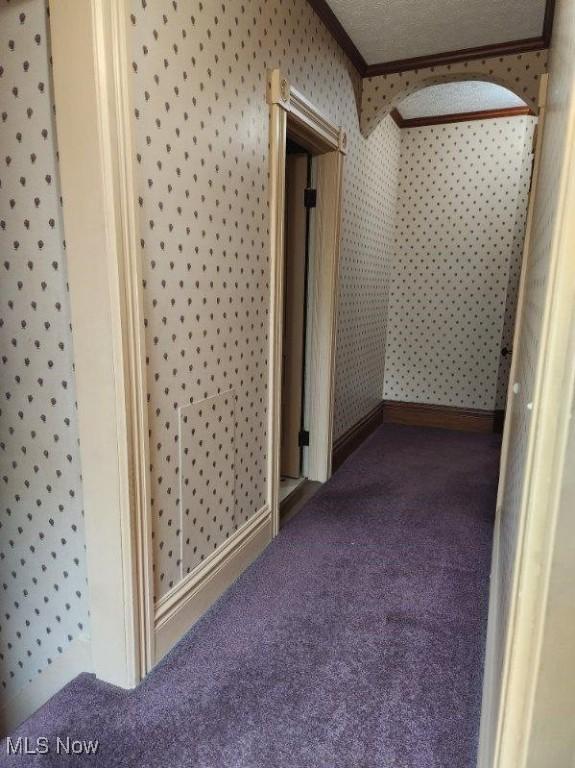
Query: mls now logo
pixel 42 746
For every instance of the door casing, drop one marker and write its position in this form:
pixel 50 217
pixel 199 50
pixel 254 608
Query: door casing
pixel 290 110
pixel 514 693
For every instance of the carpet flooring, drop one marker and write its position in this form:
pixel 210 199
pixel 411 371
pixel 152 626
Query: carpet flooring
pixel 355 641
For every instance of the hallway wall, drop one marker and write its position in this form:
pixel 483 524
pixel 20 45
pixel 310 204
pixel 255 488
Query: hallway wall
pixel 462 204
pixel 365 274
pixel 201 131
pixel 42 549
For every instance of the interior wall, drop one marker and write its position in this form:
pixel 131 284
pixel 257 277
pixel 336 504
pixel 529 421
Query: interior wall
pixel 201 132
pixel 462 202
pixel 365 273
pixel 515 264
pixel 42 547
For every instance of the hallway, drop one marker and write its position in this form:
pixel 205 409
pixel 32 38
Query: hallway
pixel 356 639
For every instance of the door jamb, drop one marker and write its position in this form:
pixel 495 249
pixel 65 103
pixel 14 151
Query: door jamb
pixel 290 110
pixel 508 738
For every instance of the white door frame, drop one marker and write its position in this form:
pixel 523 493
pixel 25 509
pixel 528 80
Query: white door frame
pixel 91 69
pixel 511 737
pixel 491 705
pixel 291 112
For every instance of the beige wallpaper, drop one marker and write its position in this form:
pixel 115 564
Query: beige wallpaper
pixel 518 72
pixel 42 550
pixel 367 255
pixel 201 127
pixel 459 235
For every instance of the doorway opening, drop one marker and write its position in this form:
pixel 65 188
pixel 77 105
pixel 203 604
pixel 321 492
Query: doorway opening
pixel 306 151
pixel 468 170
pixel 463 184
pixel 300 199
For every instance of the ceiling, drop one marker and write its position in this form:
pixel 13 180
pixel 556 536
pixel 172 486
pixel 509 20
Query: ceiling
pixel 390 30
pixel 458 97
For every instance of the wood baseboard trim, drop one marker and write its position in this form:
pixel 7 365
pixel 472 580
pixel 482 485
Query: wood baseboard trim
pixel 16 708
pixel 177 611
pixel 352 439
pixel 442 417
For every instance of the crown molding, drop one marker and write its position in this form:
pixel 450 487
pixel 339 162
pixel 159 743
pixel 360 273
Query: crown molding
pixel 548 22
pixel 510 47
pixel 458 117
pixel 397 117
pixel 337 31
pixel 453 57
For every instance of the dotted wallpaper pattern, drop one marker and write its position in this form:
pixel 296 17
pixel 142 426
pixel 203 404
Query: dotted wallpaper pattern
pixel 518 72
pixel 207 430
pixel 459 231
pixel 201 131
pixel 42 549
pixel 365 280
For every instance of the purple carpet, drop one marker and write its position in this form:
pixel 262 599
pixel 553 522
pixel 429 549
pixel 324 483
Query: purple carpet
pixel 355 641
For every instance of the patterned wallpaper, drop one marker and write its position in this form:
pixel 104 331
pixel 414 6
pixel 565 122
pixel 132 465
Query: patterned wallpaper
pixel 42 557
pixel 201 128
pixel 459 234
pixel 518 72
pixel 368 248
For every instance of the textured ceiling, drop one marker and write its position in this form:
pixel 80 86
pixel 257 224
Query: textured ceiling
pixel 386 30
pixel 453 98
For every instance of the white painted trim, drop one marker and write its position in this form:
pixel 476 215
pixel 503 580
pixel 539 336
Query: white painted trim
pixel 518 739
pixel 492 688
pixel 91 81
pixel 291 111
pixel 18 707
pixel 278 122
pixel 180 608
pixel 323 313
pixel 551 419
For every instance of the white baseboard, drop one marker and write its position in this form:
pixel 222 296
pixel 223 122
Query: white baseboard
pixel 180 608
pixel 18 707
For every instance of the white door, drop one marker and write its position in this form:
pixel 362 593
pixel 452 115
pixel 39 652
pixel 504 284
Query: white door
pixel 536 422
